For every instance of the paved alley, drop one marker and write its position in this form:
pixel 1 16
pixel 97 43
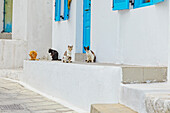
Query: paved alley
pixel 14 98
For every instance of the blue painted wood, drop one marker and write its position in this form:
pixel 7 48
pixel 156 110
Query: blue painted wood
pixel 157 1
pixel 57 10
pixel 86 23
pixel 66 10
pixel 143 3
pixel 120 4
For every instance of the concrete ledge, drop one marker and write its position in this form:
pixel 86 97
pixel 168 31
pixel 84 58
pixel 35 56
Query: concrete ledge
pixel 77 84
pixel 14 74
pixel 144 74
pixel 110 108
pixel 134 95
pixel 5 35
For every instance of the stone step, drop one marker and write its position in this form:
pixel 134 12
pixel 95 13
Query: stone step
pixel 159 103
pixel 144 74
pixel 14 74
pixel 134 74
pixel 80 57
pixel 135 95
pixel 110 108
pixel 5 35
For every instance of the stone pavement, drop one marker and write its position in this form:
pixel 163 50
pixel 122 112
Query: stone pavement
pixel 14 98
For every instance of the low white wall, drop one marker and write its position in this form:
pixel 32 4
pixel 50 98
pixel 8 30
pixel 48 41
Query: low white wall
pixel 1 14
pixel 81 85
pixel 70 31
pixel 12 54
pixel 136 36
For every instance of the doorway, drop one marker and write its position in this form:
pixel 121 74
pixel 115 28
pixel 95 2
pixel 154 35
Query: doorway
pixel 8 7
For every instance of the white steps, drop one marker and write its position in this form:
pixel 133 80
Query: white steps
pixel 158 102
pixel 134 95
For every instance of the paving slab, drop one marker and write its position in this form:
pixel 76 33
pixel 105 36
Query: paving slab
pixel 110 108
pixel 14 98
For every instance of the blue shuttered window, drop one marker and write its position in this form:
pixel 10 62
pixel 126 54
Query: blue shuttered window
pixel 57 10
pixel 120 4
pixel 143 3
pixel 66 10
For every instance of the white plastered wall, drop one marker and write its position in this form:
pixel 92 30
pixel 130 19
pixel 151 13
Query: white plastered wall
pixel 136 36
pixel 19 20
pixel 39 26
pixel 1 14
pixel 32 30
pixel 69 32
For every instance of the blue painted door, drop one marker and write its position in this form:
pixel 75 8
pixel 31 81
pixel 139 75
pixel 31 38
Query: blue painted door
pixel 8 6
pixel 86 23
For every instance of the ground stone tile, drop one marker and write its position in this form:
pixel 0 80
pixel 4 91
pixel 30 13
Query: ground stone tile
pixel 13 94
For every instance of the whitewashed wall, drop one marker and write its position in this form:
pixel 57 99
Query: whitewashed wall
pixel 19 22
pixel 32 30
pixel 69 32
pixel 136 36
pixel 39 26
pixel 32 21
pixel 1 14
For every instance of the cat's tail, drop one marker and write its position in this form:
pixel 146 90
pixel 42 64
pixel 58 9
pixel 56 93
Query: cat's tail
pixel 95 59
pixel 59 60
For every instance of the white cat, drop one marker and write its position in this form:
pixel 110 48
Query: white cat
pixel 91 57
pixel 67 55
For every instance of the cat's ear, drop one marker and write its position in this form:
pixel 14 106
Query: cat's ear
pixel 88 48
pixel 84 48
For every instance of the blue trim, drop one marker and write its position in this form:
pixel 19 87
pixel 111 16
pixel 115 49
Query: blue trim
pixel 86 23
pixel 120 4
pixel 66 10
pixel 57 10
pixel 157 1
pixel 140 3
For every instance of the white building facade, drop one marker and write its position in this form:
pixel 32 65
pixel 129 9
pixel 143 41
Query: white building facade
pixel 136 35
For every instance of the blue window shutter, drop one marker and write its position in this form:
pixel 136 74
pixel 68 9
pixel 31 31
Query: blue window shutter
pixel 120 4
pixel 136 3
pixel 157 1
pixel 66 10
pixel 142 3
pixel 57 10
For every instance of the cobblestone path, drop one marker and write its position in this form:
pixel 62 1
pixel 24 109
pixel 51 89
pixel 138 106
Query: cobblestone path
pixel 14 98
